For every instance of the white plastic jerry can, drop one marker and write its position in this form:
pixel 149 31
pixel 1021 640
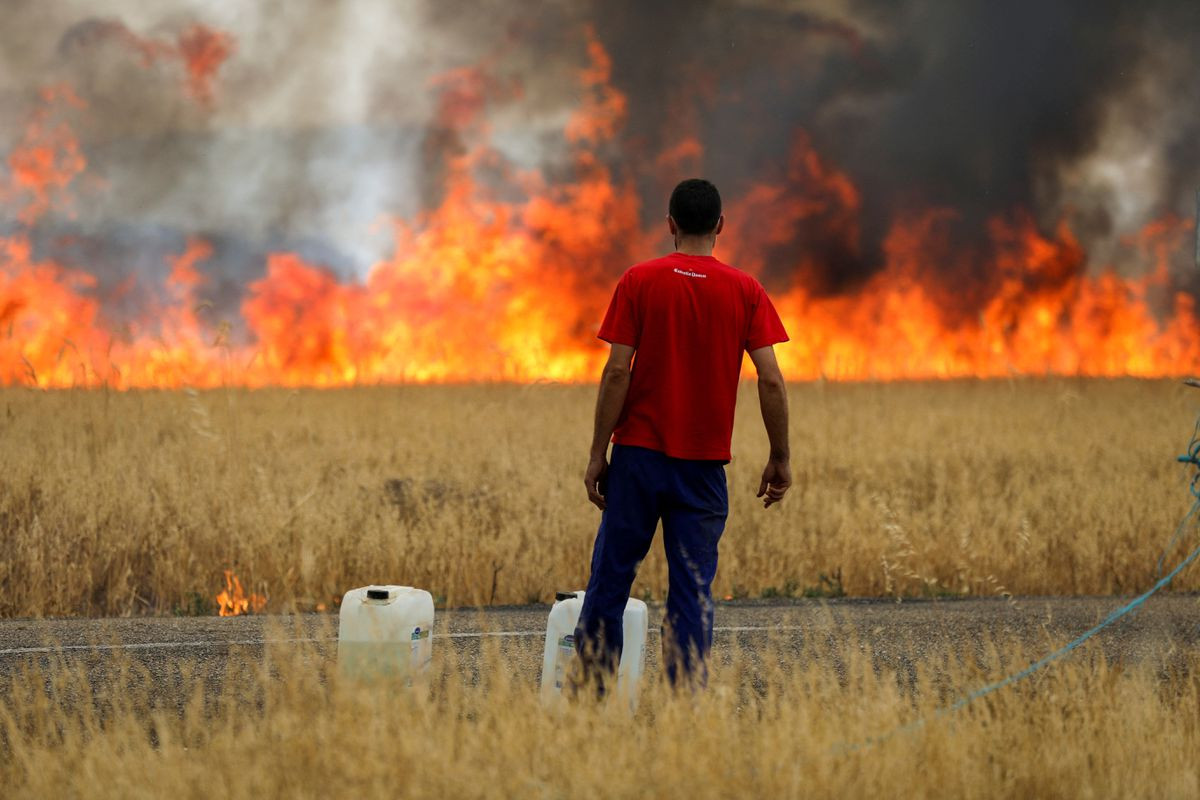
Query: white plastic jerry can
pixel 560 647
pixel 385 631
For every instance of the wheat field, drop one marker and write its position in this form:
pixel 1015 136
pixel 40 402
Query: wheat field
pixel 828 722
pixel 136 503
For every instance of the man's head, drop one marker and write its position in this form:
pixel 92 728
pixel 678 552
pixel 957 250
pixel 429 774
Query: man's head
pixel 695 209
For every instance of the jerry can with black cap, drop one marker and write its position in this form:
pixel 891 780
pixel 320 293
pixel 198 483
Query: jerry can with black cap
pixel 386 632
pixel 560 647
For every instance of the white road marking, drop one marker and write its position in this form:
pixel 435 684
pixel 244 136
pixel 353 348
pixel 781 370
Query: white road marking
pixel 12 651
pixel 17 651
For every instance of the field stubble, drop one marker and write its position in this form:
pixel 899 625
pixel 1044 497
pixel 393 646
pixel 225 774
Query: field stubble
pixel 827 721
pixel 131 503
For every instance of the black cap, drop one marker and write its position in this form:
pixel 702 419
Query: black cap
pixel 377 594
pixel 564 595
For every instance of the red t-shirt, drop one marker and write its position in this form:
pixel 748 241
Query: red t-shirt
pixel 690 319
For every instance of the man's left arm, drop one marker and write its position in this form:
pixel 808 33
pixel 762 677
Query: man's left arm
pixel 614 386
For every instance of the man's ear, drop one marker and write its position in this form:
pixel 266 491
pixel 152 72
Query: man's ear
pixel 671 224
pixel 720 225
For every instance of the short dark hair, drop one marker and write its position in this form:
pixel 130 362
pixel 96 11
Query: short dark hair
pixel 695 206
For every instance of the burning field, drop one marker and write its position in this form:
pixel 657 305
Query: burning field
pixel 176 216
pixel 186 206
pixel 302 296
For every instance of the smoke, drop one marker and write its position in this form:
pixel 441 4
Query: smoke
pixel 308 141
pixel 983 108
pixel 327 119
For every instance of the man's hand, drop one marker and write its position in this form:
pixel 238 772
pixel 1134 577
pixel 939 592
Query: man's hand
pixel 776 480
pixel 772 399
pixel 594 479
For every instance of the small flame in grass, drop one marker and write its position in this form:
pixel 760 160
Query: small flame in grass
pixel 233 600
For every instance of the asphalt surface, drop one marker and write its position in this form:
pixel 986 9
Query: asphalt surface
pixel 174 653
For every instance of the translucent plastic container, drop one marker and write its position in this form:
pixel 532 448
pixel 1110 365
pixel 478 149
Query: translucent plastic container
pixel 560 647
pixel 385 632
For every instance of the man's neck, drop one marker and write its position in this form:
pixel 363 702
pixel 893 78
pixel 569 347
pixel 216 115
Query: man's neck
pixel 695 246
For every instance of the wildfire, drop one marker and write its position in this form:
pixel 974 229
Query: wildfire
pixel 510 285
pixel 233 600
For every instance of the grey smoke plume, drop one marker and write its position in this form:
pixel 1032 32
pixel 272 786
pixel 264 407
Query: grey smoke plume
pixel 324 122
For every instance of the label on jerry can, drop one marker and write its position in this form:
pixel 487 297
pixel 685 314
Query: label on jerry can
pixel 566 651
pixel 418 636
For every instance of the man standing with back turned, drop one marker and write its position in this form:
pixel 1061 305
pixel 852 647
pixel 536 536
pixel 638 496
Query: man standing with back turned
pixel 669 413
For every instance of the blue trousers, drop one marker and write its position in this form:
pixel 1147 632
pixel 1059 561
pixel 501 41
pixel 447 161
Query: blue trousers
pixel 691 498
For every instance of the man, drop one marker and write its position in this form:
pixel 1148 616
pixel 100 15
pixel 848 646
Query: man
pixel 688 318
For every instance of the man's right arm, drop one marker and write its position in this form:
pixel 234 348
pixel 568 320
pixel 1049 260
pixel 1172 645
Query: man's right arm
pixel 772 400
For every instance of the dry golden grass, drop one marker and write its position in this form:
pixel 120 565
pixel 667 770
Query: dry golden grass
pixel 131 503
pixel 779 727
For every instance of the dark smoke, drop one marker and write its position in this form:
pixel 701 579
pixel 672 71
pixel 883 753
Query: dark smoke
pixel 976 106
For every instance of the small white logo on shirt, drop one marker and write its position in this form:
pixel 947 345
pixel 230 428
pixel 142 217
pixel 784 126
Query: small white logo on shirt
pixel 689 273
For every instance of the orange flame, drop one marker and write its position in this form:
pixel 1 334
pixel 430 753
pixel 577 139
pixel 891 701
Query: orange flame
pixel 201 51
pixel 47 158
pixel 510 285
pixel 233 601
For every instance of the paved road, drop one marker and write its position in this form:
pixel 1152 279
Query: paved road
pixel 174 651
